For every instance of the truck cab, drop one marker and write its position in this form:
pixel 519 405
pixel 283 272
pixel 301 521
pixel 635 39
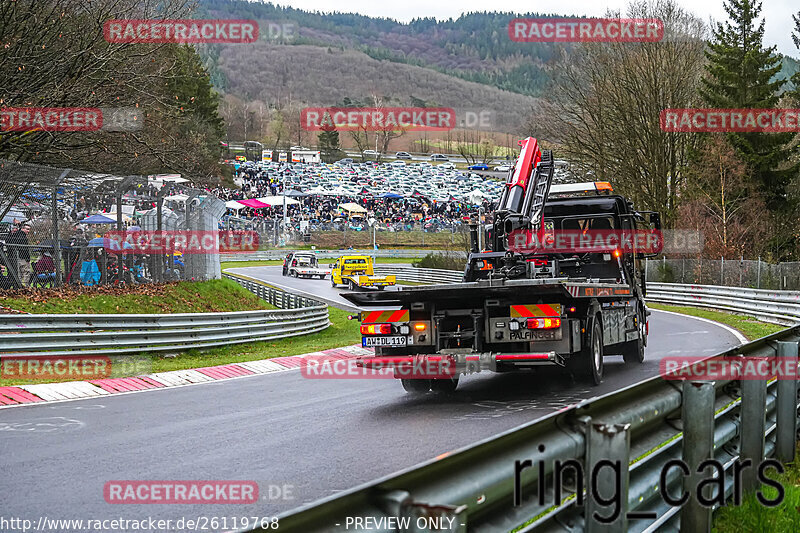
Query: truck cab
pixel 358 271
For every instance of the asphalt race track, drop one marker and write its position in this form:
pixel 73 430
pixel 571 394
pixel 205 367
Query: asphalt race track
pixel 317 436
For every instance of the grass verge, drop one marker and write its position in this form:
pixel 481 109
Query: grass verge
pixel 215 296
pixel 749 327
pixel 754 517
pixel 341 332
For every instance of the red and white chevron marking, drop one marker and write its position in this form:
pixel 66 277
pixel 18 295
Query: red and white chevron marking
pixel 73 390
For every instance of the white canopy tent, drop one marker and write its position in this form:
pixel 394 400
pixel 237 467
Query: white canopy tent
pixel 277 200
pixel 177 197
pixel 233 204
pixel 352 208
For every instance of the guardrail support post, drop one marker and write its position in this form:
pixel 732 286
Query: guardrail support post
pixel 697 414
pixel 607 459
pixel 753 414
pixel 786 415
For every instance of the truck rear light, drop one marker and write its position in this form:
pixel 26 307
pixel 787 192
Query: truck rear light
pixel 513 325
pixel 404 329
pixel 419 326
pixel 544 323
pixel 376 329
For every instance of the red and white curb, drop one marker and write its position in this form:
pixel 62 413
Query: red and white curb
pixel 74 390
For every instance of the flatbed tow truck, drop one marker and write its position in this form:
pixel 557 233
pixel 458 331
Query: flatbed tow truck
pixel 560 285
pixel 358 272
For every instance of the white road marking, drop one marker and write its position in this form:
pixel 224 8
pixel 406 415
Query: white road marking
pixel 742 339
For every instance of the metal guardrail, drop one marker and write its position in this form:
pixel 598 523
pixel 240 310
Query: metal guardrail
pixel 420 275
pixel 779 307
pixel 272 255
pixel 638 430
pixel 78 334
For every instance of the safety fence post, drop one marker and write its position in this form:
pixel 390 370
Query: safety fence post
pixel 753 415
pixel 608 449
pixel 697 414
pixel 786 416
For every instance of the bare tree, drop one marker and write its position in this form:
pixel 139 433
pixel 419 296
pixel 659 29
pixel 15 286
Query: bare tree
pixel 606 104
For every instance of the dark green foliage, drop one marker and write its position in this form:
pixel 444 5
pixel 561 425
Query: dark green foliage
pixel 742 74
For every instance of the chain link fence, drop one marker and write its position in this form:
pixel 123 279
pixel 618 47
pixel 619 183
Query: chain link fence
pixel 754 274
pixel 48 238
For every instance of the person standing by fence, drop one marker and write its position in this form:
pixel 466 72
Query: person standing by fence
pixel 20 249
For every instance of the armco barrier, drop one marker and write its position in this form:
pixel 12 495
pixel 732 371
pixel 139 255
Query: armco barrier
pixel 420 275
pixel 56 334
pixel 273 255
pixel 639 429
pixel 780 307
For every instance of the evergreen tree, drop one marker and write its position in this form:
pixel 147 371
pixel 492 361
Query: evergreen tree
pixel 739 75
pixel 329 143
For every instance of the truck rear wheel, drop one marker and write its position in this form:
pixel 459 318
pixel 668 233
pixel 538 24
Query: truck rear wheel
pixel 633 351
pixel 444 385
pixel 416 386
pixel 351 285
pixel 589 363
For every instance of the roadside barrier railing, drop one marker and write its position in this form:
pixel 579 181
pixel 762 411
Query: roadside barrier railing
pixel 271 255
pixel 779 307
pixel 420 275
pixel 117 334
pixel 619 457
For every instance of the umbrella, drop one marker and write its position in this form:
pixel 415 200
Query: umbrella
pixel 98 219
pixel 13 216
pixel 48 243
pixel 105 242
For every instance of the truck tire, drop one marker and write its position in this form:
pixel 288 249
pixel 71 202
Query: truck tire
pixel 588 364
pixel 351 285
pixel 633 351
pixel 416 386
pixel 333 284
pixel 444 385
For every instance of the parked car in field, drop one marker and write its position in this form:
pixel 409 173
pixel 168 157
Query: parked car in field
pixel 345 161
pixel 371 153
pixel 402 155
pixel 478 166
pixel 446 166
pixel 502 168
pixel 439 157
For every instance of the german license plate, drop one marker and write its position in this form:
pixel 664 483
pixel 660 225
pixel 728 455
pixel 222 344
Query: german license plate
pixel 369 342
